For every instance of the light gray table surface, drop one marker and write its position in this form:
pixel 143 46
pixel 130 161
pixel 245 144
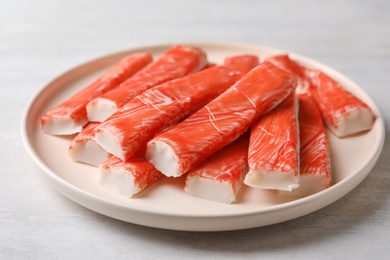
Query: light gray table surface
pixel 41 39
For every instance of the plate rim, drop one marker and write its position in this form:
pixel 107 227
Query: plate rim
pixel 59 183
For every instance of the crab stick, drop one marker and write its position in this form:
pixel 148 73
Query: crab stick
pixel 273 155
pixel 71 116
pixel 315 172
pixel 176 62
pixel 179 149
pixel 241 63
pixel 127 178
pixel 284 62
pixel 130 128
pixel 343 113
pixel 83 147
pixel 220 177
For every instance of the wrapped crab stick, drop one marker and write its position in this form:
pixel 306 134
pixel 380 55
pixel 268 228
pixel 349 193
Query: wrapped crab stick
pixel 220 177
pixel 177 150
pixel 83 147
pixel 127 178
pixel 176 62
pixel 315 174
pixel 71 116
pixel 273 155
pixel 314 159
pixel 284 62
pixel 130 128
pixel 343 113
pixel 242 63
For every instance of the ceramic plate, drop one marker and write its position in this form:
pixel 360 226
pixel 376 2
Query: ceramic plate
pixel 165 204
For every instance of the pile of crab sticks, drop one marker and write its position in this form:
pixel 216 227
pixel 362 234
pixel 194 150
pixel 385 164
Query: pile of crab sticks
pixel 245 121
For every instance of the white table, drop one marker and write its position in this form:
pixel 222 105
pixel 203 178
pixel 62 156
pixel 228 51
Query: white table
pixel 41 39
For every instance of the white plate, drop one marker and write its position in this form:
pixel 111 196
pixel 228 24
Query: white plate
pixel 164 204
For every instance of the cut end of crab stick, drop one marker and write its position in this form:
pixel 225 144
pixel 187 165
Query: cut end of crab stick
pixel 241 63
pixel 99 109
pixel 88 152
pixel 108 143
pixel 61 125
pixel 344 113
pixel 127 178
pixel 83 147
pixel 315 173
pixel 118 181
pixel 275 180
pixel 176 62
pixel 222 120
pixel 220 177
pixel 163 157
pixel 210 189
pixel 309 184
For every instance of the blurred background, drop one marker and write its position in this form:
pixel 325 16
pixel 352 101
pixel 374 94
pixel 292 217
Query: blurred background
pixel 41 39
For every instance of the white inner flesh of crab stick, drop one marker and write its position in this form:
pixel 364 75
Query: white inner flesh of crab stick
pixel 344 114
pixel 353 120
pixel 220 177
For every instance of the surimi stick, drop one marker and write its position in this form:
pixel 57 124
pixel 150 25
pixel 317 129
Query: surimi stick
pixel 179 149
pixel 127 178
pixel 284 62
pixel 220 177
pixel 176 62
pixel 83 147
pixel 71 116
pixel 315 172
pixel 314 159
pixel 273 155
pixel 130 128
pixel 242 63
pixel 343 113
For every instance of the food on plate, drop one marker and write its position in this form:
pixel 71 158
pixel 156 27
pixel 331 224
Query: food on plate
pixel 220 177
pixel 314 159
pixel 243 122
pixel 128 130
pixel 273 155
pixel 176 62
pixel 343 113
pixel 284 62
pixel 315 174
pixel 127 178
pixel 83 147
pixel 177 150
pixel 71 116
pixel 241 63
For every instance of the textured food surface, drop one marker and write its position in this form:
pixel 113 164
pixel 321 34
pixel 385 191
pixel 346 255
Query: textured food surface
pixel 222 120
pixel 70 116
pixel 128 130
